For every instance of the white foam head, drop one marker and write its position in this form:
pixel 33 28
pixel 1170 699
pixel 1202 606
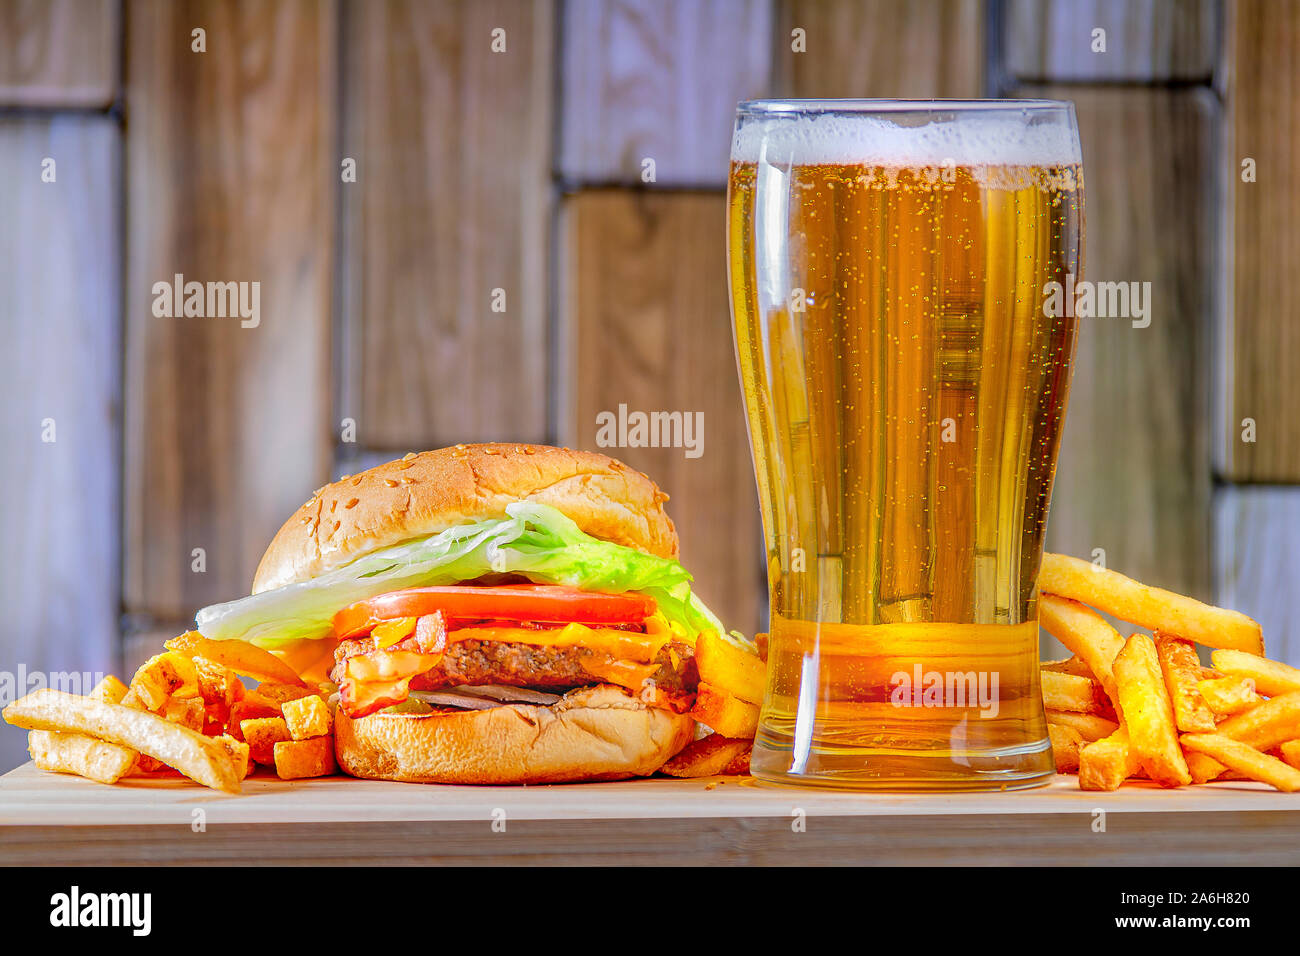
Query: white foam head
pixel 962 138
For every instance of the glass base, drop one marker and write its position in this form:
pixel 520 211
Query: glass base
pixel 847 768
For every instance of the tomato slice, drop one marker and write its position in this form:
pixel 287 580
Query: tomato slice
pixel 544 603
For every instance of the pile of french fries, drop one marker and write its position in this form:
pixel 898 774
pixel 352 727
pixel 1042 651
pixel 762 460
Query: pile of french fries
pixel 186 712
pixel 727 703
pixel 1146 707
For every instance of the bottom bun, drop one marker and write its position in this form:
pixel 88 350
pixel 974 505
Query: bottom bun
pixel 592 733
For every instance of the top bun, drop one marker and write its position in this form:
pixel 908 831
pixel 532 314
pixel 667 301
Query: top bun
pixel 427 493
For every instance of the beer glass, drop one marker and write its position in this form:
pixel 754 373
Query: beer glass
pixel 905 379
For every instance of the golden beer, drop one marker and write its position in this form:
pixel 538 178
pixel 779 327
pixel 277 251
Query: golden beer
pixel 905 391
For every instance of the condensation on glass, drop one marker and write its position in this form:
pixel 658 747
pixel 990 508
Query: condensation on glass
pixel 906 381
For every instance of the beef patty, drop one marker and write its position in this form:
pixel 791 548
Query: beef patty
pixel 528 665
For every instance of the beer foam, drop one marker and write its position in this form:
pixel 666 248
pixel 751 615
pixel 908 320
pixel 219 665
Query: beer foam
pixel 973 139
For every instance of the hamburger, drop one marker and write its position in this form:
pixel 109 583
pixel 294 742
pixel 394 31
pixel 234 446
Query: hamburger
pixel 489 614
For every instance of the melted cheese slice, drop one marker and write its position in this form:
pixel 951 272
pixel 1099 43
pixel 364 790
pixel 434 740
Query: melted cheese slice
pixel 622 657
pixel 621 645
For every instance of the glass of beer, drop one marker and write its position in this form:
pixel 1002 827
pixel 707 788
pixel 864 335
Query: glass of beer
pixel 905 384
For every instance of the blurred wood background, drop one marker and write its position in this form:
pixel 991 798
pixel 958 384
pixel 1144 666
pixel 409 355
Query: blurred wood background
pixel 476 220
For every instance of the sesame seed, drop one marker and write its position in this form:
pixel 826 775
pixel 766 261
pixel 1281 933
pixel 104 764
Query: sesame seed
pixel 390 482
pixel 351 504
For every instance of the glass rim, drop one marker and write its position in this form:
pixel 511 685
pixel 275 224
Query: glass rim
pixel 776 107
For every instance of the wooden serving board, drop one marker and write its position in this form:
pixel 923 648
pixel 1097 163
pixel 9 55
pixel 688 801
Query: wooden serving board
pixel 58 819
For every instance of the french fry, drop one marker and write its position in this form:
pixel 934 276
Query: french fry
pixel 277 693
pixel 83 755
pixel 1152 608
pixel 1073 664
pixel 1228 695
pixel 1105 764
pixel 1086 634
pixel 240 656
pixel 1202 767
pixel 1066 744
pixel 1265 726
pixel 198 757
pixel 163 676
pixel 1271 677
pixel 186 711
pixel 728 668
pixel 307 717
pixel 1148 713
pixel 132 699
pixel 1080 695
pixel 262 734
pixel 739 765
pixel 218 684
pixel 239 753
pixel 80 754
pixel 708 756
pixel 1290 750
pixel 110 690
pixel 1181 670
pixel 295 759
pixel 249 709
pixel 727 715
pixel 1245 760
pixel 1088 726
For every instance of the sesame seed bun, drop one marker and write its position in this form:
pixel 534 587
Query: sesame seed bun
pixel 593 733
pixel 423 494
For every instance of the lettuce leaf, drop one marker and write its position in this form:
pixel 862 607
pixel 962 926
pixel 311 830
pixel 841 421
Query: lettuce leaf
pixel 535 541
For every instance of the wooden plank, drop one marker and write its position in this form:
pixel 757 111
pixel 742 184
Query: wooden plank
pixel 59 53
pixel 887 48
pixel 658 79
pixel 648 327
pixel 1145 40
pixel 1261 340
pixel 60 264
pixel 451 202
pixel 231 178
pixel 1134 471
pixel 1257 551
pixel 56 819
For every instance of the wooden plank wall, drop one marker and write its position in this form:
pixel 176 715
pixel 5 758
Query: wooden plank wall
pixel 1261 345
pixel 451 203
pixel 914 49
pixel 230 178
pixel 478 169
pixel 1258 350
pixel 1134 478
pixel 60 383
pixel 1134 475
pixel 59 53
pixel 1145 41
